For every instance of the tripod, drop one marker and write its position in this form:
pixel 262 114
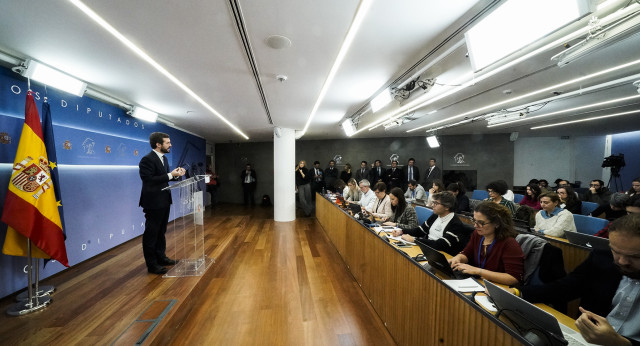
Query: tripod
pixel 617 181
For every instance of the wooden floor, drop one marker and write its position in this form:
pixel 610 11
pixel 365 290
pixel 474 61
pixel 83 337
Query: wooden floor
pixel 272 284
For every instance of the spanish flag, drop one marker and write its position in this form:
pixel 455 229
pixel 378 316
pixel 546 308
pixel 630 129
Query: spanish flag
pixel 30 207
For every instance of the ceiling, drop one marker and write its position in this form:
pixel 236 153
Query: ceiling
pixel 200 43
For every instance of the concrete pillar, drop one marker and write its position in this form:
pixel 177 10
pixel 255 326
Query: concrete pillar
pixel 284 186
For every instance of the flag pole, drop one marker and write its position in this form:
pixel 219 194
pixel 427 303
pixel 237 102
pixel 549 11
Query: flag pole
pixel 34 303
pixel 40 291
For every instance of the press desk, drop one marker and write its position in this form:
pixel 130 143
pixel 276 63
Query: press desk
pixel 415 306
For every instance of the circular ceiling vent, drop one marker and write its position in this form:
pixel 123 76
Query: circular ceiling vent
pixel 278 42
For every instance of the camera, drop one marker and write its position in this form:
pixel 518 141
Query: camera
pixel 615 161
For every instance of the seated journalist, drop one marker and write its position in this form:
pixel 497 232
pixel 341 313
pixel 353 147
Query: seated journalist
pixel 608 285
pixel 404 216
pixel 443 230
pixel 492 252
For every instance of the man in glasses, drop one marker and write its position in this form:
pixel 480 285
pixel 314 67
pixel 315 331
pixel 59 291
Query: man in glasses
pixel 443 230
pixel 597 193
pixel 608 284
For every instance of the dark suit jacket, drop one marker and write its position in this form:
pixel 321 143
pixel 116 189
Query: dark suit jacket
pixel 454 239
pixel 154 179
pixel 374 176
pixel 243 175
pixel 330 176
pixel 359 175
pixel 435 174
pixel 416 174
pixel 595 282
pixel 395 179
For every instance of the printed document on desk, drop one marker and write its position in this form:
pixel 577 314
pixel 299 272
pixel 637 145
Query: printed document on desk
pixel 466 285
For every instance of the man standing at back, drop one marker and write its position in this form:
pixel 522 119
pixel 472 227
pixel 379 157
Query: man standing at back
pixel 249 182
pixel 155 202
pixel 433 173
pixel 362 172
pixel 411 172
pixel 330 176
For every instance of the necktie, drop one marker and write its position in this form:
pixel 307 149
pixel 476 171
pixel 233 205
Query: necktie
pixel 165 161
pixel 410 173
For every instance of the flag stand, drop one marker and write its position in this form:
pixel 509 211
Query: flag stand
pixel 33 303
pixel 40 291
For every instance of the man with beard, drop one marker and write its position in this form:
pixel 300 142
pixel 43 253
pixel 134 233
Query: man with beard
pixel 156 202
pixel 608 284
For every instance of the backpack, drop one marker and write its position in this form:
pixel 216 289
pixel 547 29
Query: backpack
pixel 527 214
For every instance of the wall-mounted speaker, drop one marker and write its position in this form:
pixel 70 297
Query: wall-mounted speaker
pixel 513 136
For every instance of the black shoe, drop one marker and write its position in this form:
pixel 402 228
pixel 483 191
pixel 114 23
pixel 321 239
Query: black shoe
pixel 157 270
pixel 167 262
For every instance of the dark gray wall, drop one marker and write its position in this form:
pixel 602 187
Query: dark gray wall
pixel 491 155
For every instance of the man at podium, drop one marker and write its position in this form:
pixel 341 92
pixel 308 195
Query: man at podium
pixel 155 203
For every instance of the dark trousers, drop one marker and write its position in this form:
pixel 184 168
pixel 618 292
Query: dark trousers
pixel 249 191
pixel 154 243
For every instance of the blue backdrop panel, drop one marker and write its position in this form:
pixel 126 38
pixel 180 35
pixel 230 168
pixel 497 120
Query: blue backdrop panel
pixel 628 144
pixel 99 148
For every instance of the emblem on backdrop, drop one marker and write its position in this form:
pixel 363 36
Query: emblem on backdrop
pixel 338 159
pixel 66 145
pixel 394 157
pixel 88 145
pixel 5 138
pixel 459 158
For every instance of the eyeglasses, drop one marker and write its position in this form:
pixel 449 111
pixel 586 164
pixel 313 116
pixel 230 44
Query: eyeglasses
pixel 594 185
pixel 479 222
pixel 435 203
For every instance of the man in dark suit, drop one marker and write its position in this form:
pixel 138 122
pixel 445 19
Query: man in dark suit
pixel 411 172
pixel 433 173
pixel 377 173
pixel 362 172
pixel 607 285
pixel 395 177
pixel 249 181
pixel 443 230
pixel 317 179
pixel 156 203
pixel 330 176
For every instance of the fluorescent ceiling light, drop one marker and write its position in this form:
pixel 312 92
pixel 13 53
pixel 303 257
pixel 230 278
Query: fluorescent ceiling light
pixel 363 8
pixel 507 117
pixel 433 142
pixel 474 79
pixel 637 111
pixel 506 30
pixel 105 25
pixel 568 110
pixel 144 114
pixel 347 126
pixel 544 90
pixel 53 78
pixel 599 40
pixel 381 100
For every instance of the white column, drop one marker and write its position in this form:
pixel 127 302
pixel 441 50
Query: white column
pixel 284 185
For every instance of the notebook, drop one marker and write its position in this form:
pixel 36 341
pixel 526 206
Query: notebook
pixel 534 324
pixel 439 262
pixel 586 240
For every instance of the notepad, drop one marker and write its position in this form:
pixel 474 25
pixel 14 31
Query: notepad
pixel 466 285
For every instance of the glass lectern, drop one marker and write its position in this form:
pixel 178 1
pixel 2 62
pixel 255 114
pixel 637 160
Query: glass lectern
pixel 185 234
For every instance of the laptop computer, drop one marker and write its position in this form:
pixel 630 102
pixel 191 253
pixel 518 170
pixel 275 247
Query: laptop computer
pixel 586 240
pixel 439 262
pixel 534 324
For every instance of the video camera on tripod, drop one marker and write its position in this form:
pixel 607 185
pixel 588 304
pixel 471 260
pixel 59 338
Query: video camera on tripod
pixel 616 162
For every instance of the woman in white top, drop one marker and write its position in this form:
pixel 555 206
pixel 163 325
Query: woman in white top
pixel 352 192
pixel 553 220
pixel 380 207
